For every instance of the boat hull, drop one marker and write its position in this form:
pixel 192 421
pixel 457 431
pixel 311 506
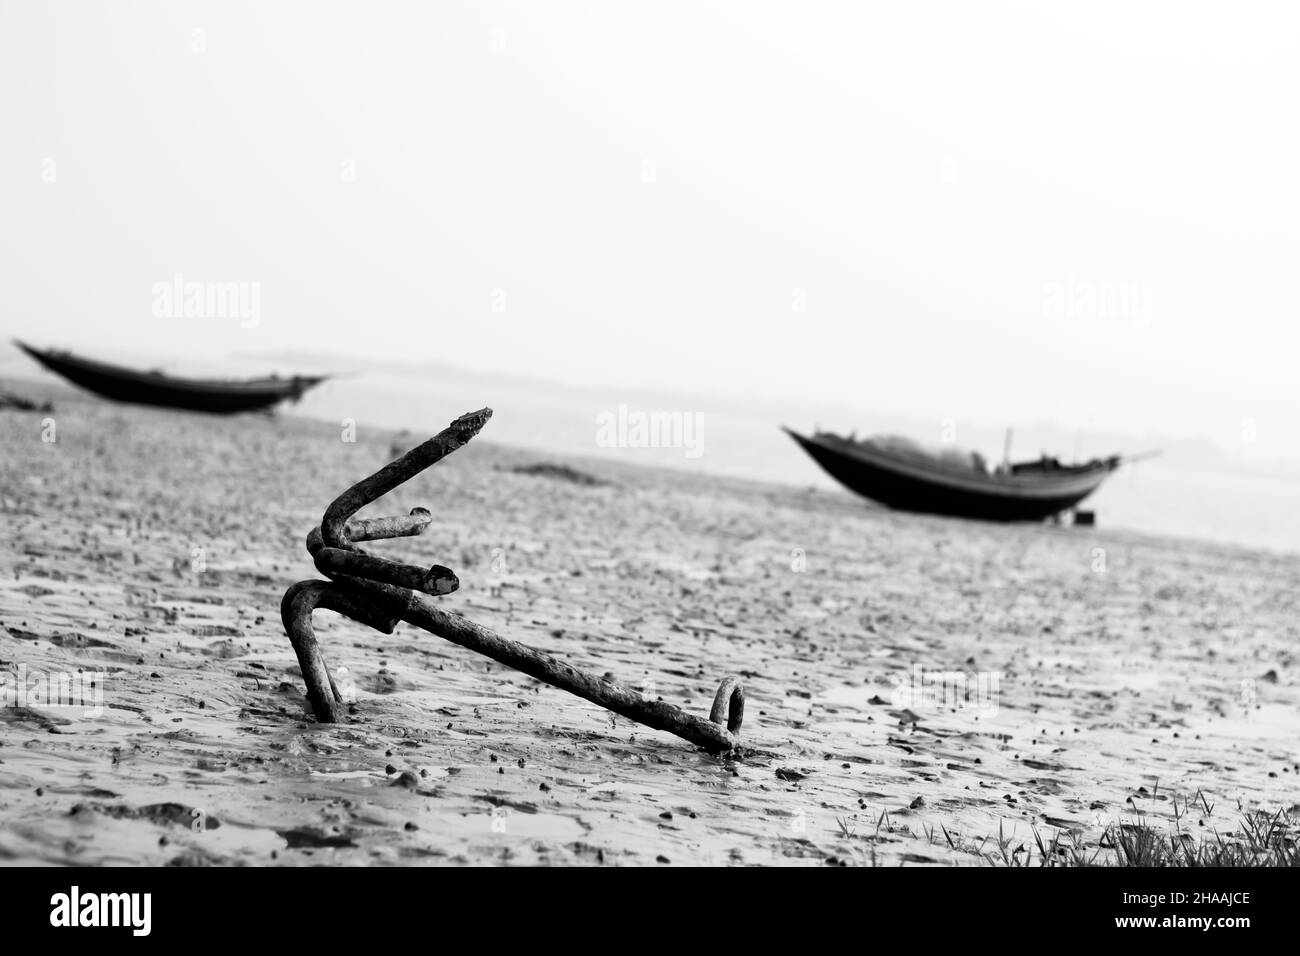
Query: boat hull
pixel 908 486
pixel 165 391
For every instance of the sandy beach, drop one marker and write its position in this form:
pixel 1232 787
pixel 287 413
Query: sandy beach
pixel 1111 678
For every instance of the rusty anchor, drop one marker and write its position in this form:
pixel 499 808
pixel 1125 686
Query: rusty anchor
pixel 379 593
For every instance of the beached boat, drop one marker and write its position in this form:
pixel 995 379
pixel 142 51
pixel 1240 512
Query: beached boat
pixel 220 396
pixel 901 475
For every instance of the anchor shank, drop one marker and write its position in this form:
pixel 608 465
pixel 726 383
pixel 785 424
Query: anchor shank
pixel 662 716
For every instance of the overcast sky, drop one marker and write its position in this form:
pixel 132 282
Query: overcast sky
pixel 1082 212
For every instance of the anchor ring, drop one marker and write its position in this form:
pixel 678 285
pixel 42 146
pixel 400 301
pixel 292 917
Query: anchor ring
pixel 729 700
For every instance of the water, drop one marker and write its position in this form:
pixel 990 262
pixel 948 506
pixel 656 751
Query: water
pixel 1249 510
pixel 1153 497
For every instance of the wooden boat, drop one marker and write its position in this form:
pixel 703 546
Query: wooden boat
pixel 219 396
pixel 1027 491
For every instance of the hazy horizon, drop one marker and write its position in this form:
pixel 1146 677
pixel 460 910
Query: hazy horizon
pixel 1190 492
pixel 350 393
pixel 1092 228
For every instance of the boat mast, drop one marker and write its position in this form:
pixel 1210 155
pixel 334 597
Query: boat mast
pixel 1006 451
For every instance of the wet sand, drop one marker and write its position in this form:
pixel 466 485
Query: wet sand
pixel 1133 672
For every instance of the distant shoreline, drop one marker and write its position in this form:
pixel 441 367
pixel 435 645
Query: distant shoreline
pixel 58 391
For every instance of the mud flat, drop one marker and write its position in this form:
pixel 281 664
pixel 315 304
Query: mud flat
pixel 916 687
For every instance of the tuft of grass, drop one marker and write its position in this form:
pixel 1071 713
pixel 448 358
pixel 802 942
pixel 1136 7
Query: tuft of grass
pixel 1261 839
